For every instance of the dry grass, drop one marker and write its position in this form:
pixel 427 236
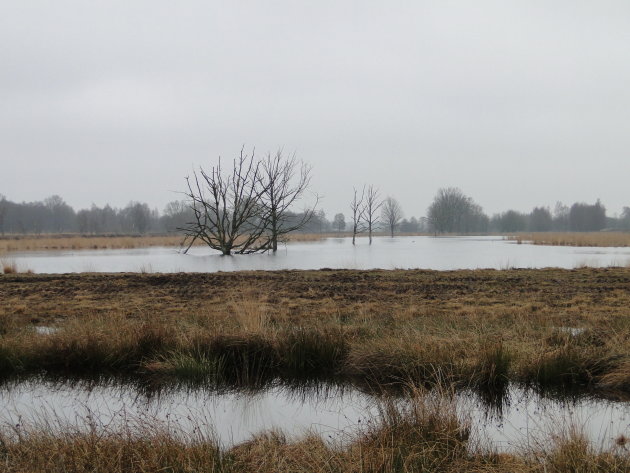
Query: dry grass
pixel 9 266
pixel 84 242
pixel 608 239
pixel 569 450
pixel 426 435
pixel 477 329
pixel 88 242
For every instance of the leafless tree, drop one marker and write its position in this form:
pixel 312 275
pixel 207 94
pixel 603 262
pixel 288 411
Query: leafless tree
pixel 453 212
pixel 339 222
pixel 227 214
pixel 372 205
pixel 357 209
pixel 392 214
pixel 283 182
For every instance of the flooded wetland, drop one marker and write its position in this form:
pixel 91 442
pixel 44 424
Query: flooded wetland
pixel 503 368
pixel 403 252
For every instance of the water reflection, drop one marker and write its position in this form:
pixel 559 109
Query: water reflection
pixel 440 253
pixel 334 411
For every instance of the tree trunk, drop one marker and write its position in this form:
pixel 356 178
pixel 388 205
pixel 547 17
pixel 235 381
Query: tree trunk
pixel 274 235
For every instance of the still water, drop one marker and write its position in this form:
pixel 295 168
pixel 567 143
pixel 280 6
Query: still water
pixel 415 252
pixel 336 413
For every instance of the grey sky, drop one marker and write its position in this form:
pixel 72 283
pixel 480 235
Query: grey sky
pixel 519 103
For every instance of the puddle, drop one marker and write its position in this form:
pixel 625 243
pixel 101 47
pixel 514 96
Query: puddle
pixel 574 331
pixel 43 330
pixel 336 413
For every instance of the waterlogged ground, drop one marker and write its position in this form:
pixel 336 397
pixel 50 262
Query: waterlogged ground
pixel 558 328
pixel 336 413
pixel 414 252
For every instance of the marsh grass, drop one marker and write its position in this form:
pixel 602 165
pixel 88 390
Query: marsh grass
pixel 567 449
pixel 570 361
pixel 602 239
pixel 197 368
pixel 250 312
pixel 9 266
pixel 618 378
pixel 103 345
pixel 256 354
pixel 48 242
pixel 311 354
pixel 490 375
pixel 426 433
pixel 549 329
pixel 84 242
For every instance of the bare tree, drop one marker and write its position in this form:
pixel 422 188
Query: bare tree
pixel 372 205
pixel 137 217
pixel 392 214
pixel 453 212
pixel 175 215
pixel 283 183
pixel 227 215
pixel 339 222
pixel 357 209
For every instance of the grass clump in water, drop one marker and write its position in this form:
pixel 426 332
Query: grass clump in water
pixel 99 346
pixel 404 361
pixel 492 369
pixel 312 354
pixel 568 361
pixel 248 359
pixel 189 367
pixel 570 451
pixel 426 435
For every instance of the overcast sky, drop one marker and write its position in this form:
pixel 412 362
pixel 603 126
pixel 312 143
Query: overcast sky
pixel 518 103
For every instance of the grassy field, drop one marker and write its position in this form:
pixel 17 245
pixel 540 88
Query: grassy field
pixel 609 239
pixel 550 329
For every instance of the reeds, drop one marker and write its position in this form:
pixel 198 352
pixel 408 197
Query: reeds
pixel 84 242
pixel 50 242
pixel 8 266
pixel 604 239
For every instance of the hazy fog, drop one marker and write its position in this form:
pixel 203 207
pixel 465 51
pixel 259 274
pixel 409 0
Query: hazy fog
pixel 518 103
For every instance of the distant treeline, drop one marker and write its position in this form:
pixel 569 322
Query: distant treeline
pixel 54 215
pixel 580 217
pixel 450 212
pixel 454 212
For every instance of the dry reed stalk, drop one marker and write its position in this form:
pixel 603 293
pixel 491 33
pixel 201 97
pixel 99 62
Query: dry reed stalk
pixel 88 242
pixel 599 239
